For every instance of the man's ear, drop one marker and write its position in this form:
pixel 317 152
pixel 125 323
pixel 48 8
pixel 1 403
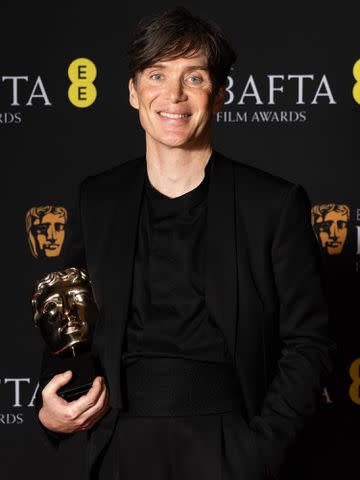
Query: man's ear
pixel 133 98
pixel 219 100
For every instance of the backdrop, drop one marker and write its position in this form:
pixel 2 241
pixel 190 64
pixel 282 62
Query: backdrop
pixel 292 109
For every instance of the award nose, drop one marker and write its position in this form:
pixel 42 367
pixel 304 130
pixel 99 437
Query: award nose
pixel 71 319
pixel 69 312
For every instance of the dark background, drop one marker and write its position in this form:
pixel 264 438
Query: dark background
pixel 45 156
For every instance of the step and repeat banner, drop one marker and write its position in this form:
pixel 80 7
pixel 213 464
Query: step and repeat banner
pixel 292 109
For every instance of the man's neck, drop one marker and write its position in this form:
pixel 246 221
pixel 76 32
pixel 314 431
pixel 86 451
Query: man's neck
pixel 176 171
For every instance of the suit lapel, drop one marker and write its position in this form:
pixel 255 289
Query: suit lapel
pixel 120 197
pixel 249 354
pixel 221 272
pixel 124 201
pixel 231 294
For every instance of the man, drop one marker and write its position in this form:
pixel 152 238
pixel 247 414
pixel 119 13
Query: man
pixel 213 332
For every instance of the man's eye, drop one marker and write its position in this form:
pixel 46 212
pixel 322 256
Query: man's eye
pixel 195 80
pixel 155 76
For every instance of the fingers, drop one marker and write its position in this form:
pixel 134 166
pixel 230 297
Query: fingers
pixel 101 413
pixel 94 420
pixel 81 414
pixel 88 401
pixel 49 392
pixel 92 415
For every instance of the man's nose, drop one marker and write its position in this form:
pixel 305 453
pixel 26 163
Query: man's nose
pixel 175 91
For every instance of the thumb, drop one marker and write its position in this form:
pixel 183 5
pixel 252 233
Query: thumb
pixel 56 382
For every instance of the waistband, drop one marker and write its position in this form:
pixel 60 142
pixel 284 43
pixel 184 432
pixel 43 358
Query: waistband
pixel 169 386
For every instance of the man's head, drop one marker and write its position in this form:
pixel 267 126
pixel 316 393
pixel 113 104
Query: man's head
pixel 178 71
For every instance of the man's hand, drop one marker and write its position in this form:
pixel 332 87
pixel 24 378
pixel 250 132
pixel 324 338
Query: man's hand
pixel 60 416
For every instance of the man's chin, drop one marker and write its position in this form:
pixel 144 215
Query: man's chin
pixel 176 142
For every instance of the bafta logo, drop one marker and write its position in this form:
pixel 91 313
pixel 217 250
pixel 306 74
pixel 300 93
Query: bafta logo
pixel 330 223
pixel 45 227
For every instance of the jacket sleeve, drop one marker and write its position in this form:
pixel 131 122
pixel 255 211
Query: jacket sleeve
pixel 308 352
pixel 72 255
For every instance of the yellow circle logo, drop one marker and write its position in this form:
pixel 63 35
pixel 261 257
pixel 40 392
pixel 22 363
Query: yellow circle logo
pixel 356 88
pixel 82 73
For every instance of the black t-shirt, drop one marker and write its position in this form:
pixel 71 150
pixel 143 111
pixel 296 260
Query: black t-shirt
pixel 168 314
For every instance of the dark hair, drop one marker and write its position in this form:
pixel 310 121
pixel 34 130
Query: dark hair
pixel 177 33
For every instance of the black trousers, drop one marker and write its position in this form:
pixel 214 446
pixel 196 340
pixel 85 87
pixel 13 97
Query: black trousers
pixel 193 447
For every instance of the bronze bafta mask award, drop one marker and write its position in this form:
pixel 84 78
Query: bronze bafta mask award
pixel 66 313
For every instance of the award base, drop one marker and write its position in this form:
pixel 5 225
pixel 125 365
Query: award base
pixel 84 370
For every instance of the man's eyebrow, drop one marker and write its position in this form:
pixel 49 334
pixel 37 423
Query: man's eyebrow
pixel 198 67
pixel 190 67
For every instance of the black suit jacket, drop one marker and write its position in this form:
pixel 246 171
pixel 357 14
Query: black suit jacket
pixel 263 287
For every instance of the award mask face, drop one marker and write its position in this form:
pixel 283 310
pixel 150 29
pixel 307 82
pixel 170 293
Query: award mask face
pixel 65 310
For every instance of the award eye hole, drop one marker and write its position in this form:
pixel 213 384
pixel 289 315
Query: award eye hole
pixel 50 308
pixel 81 297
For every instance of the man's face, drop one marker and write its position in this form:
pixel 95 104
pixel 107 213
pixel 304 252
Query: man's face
pixel 67 314
pixel 49 234
pixel 176 101
pixel 333 231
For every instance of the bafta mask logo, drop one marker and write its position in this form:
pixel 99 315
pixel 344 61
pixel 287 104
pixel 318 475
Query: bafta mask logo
pixel 330 222
pixel 46 230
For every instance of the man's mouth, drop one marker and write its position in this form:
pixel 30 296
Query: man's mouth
pixel 174 115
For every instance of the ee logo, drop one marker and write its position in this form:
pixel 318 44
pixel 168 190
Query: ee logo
pixel 82 91
pixel 356 88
